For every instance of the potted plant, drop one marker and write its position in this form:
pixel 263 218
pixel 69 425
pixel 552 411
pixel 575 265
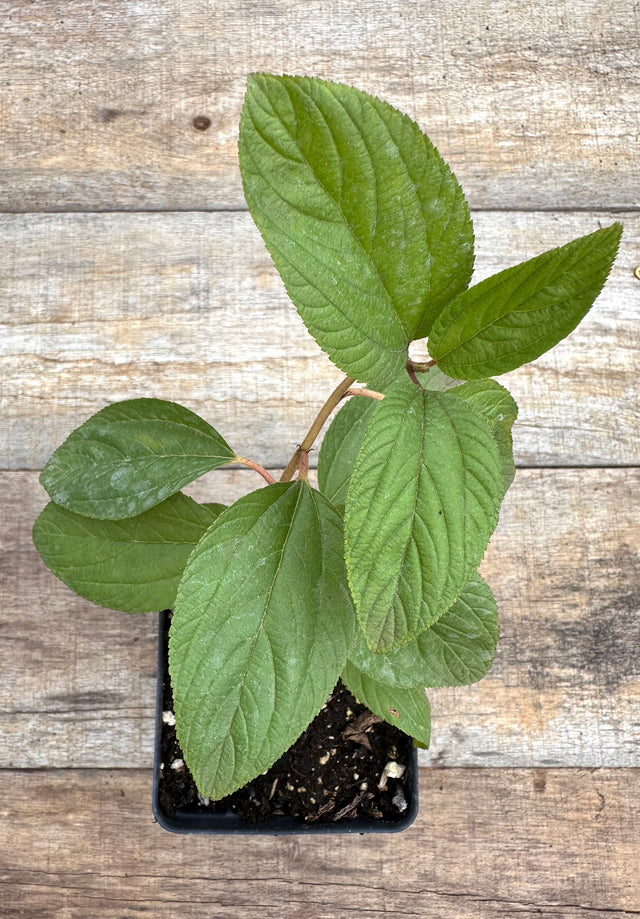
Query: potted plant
pixel 371 577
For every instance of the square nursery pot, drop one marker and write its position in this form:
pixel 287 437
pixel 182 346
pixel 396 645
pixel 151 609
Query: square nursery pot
pixel 344 738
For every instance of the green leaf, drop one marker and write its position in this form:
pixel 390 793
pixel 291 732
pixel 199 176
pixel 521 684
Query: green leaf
pixel 131 456
pixel 346 432
pixel 515 316
pixel 500 409
pixel 340 448
pixel 504 443
pixel 435 379
pixel 132 565
pixel 457 650
pixel 422 503
pixel 365 222
pixel 260 632
pixel 407 709
pixel 215 506
pixel 491 399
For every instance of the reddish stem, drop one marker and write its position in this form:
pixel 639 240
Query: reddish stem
pixel 369 393
pixel 303 467
pixel 258 468
pixel 413 376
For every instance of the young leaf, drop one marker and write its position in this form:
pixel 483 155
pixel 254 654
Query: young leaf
pixel 457 650
pixel 130 456
pixel 132 565
pixel 407 709
pixel 516 315
pixel 500 409
pixel 340 448
pixel 260 632
pixel 491 399
pixel 365 222
pixel 422 503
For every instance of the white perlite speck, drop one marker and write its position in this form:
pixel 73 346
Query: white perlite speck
pixel 400 801
pixel 177 764
pixel 169 718
pixel 392 770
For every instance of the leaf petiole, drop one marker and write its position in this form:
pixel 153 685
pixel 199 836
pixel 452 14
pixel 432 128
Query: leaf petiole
pixel 303 470
pixel 269 479
pixel 369 393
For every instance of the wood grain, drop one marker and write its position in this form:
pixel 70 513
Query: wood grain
pixel 189 307
pixel 488 843
pixel 532 110
pixel 536 109
pixel 79 683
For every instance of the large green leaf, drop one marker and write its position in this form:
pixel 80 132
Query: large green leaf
pixel 365 222
pixel 260 632
pixel 422 503
pixel 130 456
pixel 215 506
pixel 132 565
pixel 500 409
pixel 346 432
pixel 407 709
pixel 516 315
pixel 458 649
pixel 340 448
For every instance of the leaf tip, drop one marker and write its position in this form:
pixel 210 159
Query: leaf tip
pixel 617 228
pixel 609 237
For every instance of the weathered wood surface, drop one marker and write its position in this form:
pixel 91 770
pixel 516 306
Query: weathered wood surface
pixel 533 108
pixel 488 844
pixel 536 108
pixel 98 308
pixel 79 682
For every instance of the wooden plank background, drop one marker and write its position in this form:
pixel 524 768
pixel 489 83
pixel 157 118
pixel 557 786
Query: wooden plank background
pixel 507 843
pixel 130 267
pixel 533 108
pixel 101 307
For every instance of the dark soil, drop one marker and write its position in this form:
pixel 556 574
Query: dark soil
pixel 332 773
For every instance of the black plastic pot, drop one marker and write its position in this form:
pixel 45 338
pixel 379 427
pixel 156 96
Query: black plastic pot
pixel 194 819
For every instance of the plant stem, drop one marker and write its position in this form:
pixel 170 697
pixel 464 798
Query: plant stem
pixel 416 367
pixel 338 393
pixel 258 468
pixel 303 471
pixel 420 366
pixel 413 376
pixel 370 393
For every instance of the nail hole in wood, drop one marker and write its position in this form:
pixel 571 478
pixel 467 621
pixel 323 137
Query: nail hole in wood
pixel 201 123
